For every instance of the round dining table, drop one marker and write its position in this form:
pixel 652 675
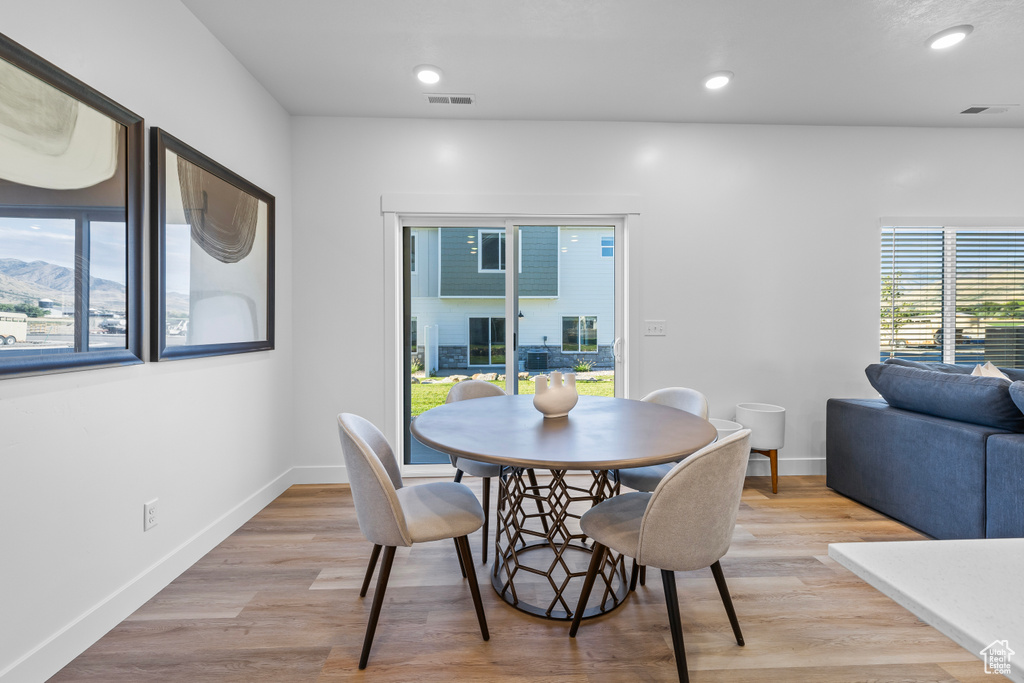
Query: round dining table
pixel 538 566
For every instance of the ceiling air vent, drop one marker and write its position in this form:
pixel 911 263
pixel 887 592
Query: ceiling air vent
pixel 450 99
pixel 988 109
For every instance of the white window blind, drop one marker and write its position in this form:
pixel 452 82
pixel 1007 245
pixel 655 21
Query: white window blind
pixel 911 310
pixel 953 294
pixel 990 297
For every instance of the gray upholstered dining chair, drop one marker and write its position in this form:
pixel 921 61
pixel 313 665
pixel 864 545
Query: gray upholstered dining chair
pixel 680 398
pixel 470 389
pixel 392 515
pixel 685 524
pixel 648 478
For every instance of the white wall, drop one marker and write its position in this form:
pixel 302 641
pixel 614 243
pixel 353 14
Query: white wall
pixel 758 245
pixel 81 452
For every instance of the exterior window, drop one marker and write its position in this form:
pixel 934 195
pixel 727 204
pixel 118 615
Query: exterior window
pixel 412 334
pixel 579 334
pixel 70 222
pixel 486 341
pixel 607 247
pixel 46 261
pixel 954 295
pixel 492 250
pixel 412 253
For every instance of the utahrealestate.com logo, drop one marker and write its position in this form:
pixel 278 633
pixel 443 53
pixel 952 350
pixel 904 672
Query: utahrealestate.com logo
pixel 997 657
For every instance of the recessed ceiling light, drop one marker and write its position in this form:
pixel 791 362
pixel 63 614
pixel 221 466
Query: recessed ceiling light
pixel 949 37
pixel 427 74
pixel 717 80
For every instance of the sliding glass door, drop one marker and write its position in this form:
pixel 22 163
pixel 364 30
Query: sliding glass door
pixel 505 301
pixel 486 341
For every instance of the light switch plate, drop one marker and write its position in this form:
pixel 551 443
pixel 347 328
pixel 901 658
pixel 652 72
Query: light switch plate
pixel 654 328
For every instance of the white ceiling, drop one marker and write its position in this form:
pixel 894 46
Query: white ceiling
pixel 832 62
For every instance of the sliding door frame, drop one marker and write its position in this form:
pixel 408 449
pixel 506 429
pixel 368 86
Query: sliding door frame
pixel 401 212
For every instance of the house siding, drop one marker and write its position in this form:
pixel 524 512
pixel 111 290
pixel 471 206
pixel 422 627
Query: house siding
pixel 460 273
pixel 423 282
pixel 539 276
pixel 583 279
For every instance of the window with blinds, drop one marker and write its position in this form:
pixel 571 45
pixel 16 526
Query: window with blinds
pixel 912 277
pixel 953 295
pixel 989 297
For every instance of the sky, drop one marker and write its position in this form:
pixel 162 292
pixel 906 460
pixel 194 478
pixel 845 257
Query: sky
pixel 53 240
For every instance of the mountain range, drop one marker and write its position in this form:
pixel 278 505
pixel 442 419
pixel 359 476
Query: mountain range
pixel 24 282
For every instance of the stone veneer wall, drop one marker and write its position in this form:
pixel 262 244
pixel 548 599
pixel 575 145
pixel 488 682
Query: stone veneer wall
pixel 455 357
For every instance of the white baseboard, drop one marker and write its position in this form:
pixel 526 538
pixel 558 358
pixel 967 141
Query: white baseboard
pixel 760 466
pixel 56 652
pixel 323 474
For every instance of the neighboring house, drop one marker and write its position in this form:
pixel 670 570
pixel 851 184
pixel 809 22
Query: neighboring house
pixel 566 296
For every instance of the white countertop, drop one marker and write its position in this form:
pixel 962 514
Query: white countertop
pixel 972 590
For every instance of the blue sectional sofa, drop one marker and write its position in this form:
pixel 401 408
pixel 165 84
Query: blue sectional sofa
pixel 942 451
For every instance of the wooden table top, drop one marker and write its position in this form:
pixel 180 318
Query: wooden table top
pixel 600 433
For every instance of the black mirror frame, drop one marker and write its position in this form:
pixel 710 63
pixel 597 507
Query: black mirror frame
pixel 160 143
pixel 64 360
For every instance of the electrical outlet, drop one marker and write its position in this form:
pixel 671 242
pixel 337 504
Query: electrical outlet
pixel 149 511
pixel 654 328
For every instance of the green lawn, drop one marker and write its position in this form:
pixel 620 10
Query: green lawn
pixel 427 396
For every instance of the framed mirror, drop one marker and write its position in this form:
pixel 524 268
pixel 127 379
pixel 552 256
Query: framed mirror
pixel 213 256
pixel 70 221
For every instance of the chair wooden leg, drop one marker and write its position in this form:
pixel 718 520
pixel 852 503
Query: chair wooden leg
pixel 462 545
pixel 462 565
pixel 643 575
pixel 668 578
pixel 458 476
pixel 588 585
pixel 540 507
pixel 487 515
pixel 723 589
pixel 633 574
pixel 378 600
pixel 374 554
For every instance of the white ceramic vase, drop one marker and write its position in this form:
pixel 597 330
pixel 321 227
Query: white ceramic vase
pixel 556 399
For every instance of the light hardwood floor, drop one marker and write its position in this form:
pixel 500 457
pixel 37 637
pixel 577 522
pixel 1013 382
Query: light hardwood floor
pixel 279 601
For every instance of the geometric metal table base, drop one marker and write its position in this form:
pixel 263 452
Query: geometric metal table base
pixel 541 556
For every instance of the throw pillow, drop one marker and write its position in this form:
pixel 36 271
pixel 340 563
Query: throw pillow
pixel 1013 374
pixel 979 400
pixel 1017 394
pixel 988 370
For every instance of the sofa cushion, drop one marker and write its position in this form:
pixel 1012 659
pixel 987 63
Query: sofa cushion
pixel 955 396
pixel 1013 374
pixel 934 367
